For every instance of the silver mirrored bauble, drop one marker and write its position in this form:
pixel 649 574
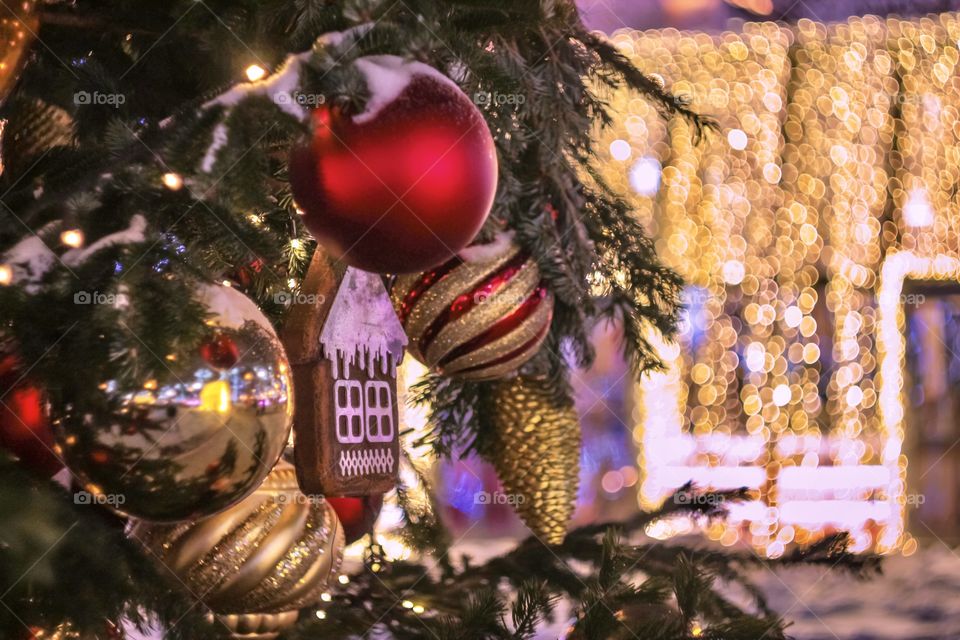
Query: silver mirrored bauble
pixel 199 438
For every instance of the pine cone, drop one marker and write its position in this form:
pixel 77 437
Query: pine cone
pixel 34 127
pixel 537 454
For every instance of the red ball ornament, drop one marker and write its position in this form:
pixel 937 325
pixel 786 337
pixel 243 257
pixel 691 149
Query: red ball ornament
pixel 407 183
pixel 357 515
pixel 24 419
pixel 220 351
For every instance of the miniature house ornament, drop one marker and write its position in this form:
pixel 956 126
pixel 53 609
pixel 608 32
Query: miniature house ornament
pixel 347 343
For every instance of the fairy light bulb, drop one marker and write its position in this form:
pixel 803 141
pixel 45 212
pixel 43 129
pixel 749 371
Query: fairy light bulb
pixel 255 72
pixel 6 275
pixel 72 238
pixel 172 181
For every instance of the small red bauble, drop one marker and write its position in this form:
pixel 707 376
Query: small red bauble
pixel 220 351
pixel 357 515
pixel 405 185
pixel 24 420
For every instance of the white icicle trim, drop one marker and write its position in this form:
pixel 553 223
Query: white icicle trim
pixel 362 327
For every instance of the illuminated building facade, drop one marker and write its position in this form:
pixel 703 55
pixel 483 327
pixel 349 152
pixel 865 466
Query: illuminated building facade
pixel 801 228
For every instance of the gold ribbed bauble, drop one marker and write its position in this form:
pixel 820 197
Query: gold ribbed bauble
pixel 536 454
pixel 18 30
pixel 479 316
pixel 255 564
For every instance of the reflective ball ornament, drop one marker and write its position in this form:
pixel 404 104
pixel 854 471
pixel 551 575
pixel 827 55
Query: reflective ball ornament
pixel 199 438
pixel 357 515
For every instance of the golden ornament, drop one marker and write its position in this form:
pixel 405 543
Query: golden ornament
pixel 18 29
pixel 257 563
pixel 537 444
pixel 33 127
pixel 479 316
pixel 66 631
pixel 201 435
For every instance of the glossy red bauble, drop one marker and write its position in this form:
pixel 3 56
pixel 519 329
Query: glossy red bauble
pixel 403 186
pixel 24 420
pixel 357 515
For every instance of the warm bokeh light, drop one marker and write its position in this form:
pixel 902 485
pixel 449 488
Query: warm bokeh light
pixel 830 184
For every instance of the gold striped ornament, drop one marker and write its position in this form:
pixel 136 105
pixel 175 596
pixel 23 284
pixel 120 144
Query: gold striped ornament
pixel 537 453
pixel 257 563
pixel 479 316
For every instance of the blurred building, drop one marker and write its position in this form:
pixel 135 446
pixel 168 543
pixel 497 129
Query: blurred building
pixel 713 15
pixel 818 230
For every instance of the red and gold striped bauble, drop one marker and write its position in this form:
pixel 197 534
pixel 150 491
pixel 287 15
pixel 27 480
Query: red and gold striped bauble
pixel 480 315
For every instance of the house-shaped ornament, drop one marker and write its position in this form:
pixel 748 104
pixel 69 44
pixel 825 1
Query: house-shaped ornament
pixel 344 345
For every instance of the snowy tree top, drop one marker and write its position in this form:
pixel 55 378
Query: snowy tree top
pixel 387 76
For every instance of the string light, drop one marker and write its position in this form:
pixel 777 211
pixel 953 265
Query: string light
pixel 295 244
pixel 255 72
pixel 6 275
pixel 172 181
pixel 343 579
pixel 72 238
pixel 321 614
pixel 796 231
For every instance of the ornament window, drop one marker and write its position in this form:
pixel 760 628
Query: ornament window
pixel 349 411
pixel 379 411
